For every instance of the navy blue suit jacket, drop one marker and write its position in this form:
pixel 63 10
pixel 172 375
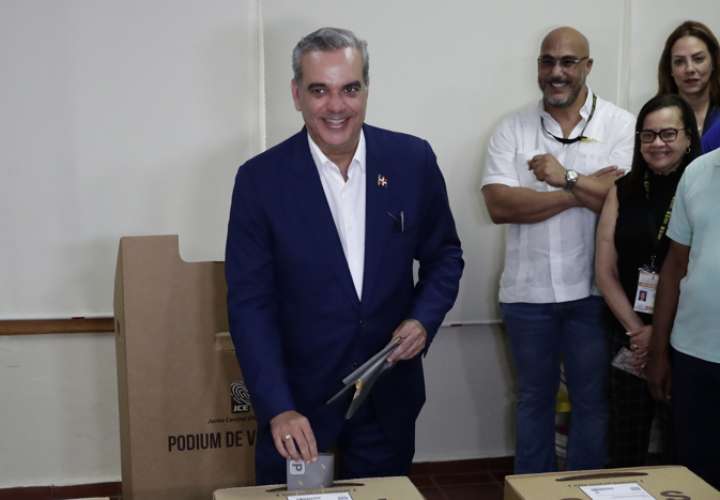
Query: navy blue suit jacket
pixel 295 318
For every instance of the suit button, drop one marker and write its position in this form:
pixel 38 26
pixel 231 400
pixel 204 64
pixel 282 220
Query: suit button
pixel 361 324
pixel 354 365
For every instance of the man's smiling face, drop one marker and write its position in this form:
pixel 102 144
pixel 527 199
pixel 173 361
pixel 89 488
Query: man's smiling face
pixel 561 81
pixel 332 97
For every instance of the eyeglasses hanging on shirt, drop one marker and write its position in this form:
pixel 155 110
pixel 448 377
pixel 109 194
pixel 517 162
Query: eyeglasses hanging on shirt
pixel 580 137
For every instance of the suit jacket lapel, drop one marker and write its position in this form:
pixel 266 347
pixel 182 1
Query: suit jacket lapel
pixel 315 211
pixel 378 222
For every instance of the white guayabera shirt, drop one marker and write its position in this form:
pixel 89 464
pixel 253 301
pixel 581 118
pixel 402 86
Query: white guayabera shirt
pixel 552 260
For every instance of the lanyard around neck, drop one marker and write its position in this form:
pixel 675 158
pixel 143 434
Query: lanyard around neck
pixel 665 219
pixel 580 137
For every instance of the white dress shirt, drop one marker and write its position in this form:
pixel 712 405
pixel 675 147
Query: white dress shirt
pixel 347 205
pixel 552 260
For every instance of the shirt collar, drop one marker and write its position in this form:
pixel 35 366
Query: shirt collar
pixel 587 106
pixel 584 110
pixel 321 160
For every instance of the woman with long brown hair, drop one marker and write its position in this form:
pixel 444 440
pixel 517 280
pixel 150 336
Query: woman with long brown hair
pixel 689 67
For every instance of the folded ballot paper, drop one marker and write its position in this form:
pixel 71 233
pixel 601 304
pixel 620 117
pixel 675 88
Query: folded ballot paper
pixel 364 377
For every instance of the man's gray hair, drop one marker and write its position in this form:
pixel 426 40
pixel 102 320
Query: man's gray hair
pixel 325 40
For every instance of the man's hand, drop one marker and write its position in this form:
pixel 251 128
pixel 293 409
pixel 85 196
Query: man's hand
pixel 547 169
pixel 411 338
pixel 657 372
pixel 293 436
pixel 639 342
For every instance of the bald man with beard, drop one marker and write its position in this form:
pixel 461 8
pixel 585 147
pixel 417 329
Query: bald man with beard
pixel 548 169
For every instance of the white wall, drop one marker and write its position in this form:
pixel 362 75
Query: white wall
pixel 58 410
pixel 165 93
pixel 469 411
pixel 118 118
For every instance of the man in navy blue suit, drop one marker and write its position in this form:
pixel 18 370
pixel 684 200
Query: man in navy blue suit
pixel 323 232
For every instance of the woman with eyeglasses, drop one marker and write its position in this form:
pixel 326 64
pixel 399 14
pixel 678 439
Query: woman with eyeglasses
pixel 689 67
pixel 630 248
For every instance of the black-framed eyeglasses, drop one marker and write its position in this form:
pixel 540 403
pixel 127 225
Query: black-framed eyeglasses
pixel 565 62
pixel 647 135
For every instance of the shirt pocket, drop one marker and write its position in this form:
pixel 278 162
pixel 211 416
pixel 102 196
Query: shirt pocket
pixel 525 176
pixel 403 221
pixel 590 158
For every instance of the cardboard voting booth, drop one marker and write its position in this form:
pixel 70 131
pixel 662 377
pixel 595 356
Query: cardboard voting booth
pixel 666 482
pixel 186 424
pixel 389 488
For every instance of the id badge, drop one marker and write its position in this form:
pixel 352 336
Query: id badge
pixel 645 295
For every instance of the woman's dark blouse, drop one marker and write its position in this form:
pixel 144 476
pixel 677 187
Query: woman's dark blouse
pixel 711 130
pixel 636 229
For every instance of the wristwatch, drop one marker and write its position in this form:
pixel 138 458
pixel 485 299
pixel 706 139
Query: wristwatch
pixel 571 177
